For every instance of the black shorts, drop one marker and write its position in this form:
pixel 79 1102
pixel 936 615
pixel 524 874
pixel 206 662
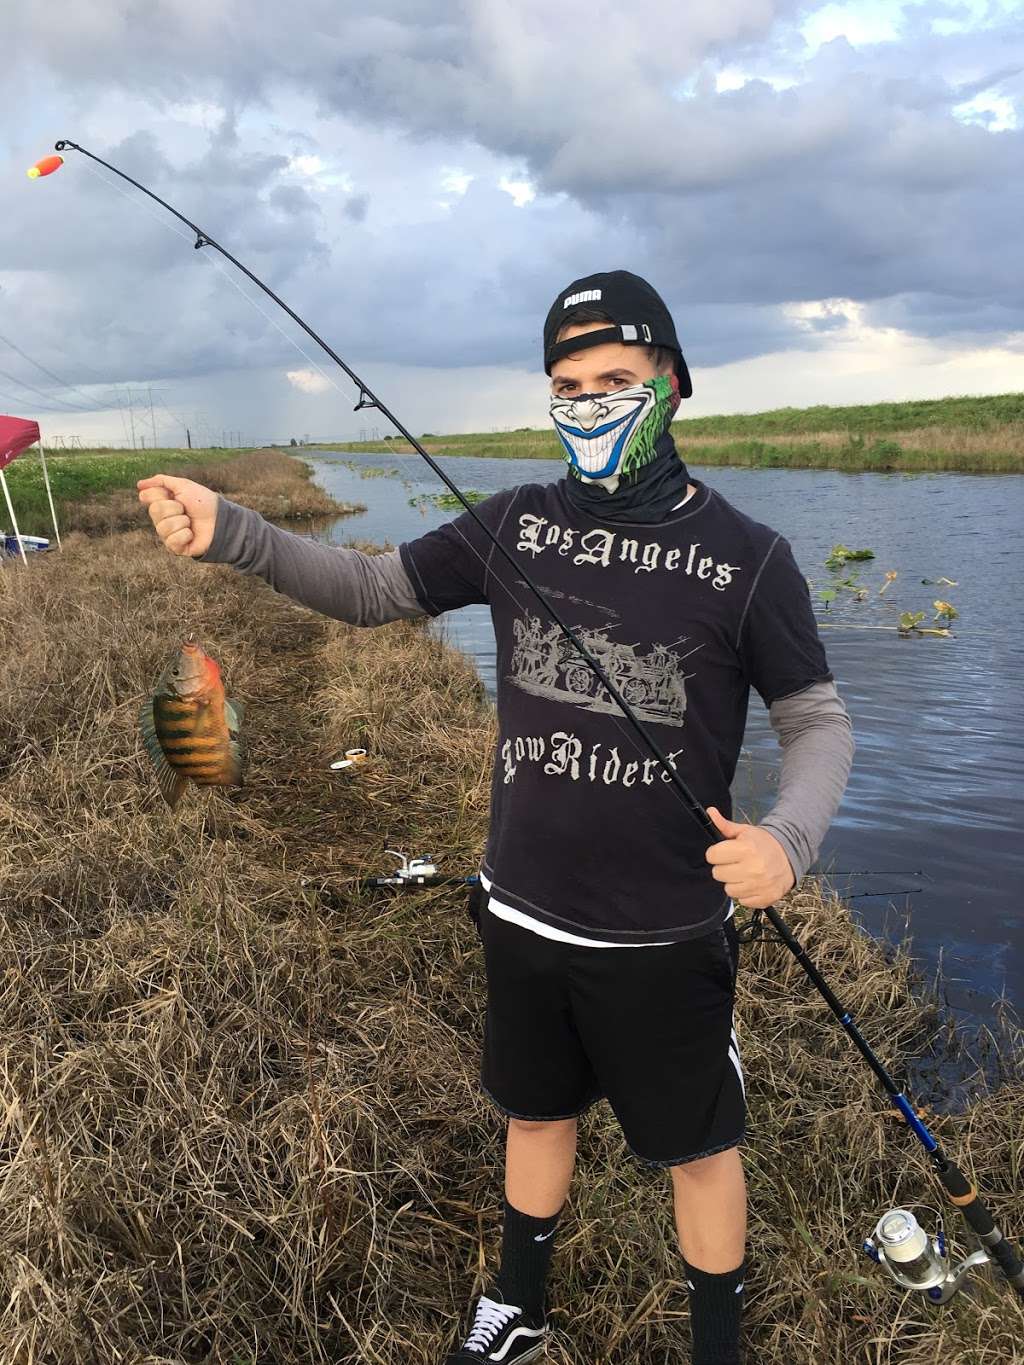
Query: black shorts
pixel 650 1029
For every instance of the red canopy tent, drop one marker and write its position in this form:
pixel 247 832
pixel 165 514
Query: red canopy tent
pixel 16 435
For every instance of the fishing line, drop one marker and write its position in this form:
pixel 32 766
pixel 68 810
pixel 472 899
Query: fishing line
pixel 212 260
pixel 633 746
pixel 216 265
pixel 867 895
pixel 902 1248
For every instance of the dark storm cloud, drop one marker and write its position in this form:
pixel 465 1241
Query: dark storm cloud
pixel 857 181
pixel 130 285
pixel 932 315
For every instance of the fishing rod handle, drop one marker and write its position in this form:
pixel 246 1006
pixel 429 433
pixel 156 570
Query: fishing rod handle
pixel 964 1196
pixel 417 881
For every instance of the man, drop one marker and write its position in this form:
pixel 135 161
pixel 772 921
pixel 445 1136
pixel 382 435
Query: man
pixel 606 922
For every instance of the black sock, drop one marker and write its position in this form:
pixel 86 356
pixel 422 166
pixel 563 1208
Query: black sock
pixel 716 1305
pixel 525 1256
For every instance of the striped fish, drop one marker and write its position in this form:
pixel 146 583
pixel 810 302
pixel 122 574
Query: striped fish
pixel 189 727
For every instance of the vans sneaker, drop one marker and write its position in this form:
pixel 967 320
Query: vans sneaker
pixel 501 1332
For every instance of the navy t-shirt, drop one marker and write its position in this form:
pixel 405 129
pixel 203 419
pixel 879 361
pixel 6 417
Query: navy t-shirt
pixel 587 833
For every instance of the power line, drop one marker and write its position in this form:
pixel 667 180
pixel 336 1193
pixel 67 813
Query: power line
pixel 18 401
pixel 49 373
pixel 49 397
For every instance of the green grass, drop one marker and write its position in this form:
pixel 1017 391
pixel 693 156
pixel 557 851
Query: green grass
pixel 86 474
pixel 974 414
pixel 970 434
pixel 851 456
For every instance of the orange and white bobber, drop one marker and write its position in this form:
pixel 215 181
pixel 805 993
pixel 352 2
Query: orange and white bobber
pixel 46 165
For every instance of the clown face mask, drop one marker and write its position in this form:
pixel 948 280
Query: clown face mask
pixel 607 435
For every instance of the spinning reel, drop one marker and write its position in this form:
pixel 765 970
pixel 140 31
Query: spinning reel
pixel 917 1261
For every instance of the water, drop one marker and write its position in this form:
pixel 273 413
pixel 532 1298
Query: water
pixel 929 832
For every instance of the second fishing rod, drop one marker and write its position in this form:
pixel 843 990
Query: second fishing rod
pixel 959 1190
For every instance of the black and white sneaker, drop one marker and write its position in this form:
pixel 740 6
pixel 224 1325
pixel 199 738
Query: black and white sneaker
pixel 500 1332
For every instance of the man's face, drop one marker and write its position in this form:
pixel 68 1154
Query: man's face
pixel 613 431
pixel 601 369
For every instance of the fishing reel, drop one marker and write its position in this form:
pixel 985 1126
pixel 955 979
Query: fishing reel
pixel 917 1261
pixel 411 872
pixel 417 872
pixel 412 869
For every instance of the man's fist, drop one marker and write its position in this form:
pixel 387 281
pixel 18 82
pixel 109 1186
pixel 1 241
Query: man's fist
pixel 184 513
pixel 750 861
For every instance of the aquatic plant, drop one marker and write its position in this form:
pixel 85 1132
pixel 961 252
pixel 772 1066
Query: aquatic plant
pixel 369 471
pixel 446 500
pixel 839 554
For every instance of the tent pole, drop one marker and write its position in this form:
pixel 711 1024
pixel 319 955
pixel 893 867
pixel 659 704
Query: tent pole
pixel 14 523
pixel 46 480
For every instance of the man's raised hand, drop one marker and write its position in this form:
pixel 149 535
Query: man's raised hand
pixel 183 512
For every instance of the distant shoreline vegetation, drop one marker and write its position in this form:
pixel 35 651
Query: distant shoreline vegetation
pixel 970 435
pixel 94 490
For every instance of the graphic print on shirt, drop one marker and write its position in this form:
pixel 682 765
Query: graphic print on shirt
pixel 652 681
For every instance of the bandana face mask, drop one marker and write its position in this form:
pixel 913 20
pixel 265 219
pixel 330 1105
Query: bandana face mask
pixel 606 435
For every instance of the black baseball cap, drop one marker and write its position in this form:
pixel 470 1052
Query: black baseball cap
pixel 638 313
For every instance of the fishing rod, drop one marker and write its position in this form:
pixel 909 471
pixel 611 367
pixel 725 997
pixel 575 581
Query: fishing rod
pixel 922 1267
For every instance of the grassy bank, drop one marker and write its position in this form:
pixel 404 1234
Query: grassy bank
pixel 95 491
pixel 240 1118
pixel 976 435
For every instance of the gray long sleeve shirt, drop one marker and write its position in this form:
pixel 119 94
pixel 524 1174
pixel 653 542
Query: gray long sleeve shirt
pixel 812 725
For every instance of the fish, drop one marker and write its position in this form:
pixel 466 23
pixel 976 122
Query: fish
pixel 189 727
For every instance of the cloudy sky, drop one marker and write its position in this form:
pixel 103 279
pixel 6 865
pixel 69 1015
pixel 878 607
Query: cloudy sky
pixel 829 197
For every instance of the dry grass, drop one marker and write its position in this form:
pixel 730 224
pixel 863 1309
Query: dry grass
pixel 238 1104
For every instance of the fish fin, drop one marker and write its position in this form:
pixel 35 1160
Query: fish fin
pixel 172 783
pixel 237 750
pixel 147 721
pixel 234 714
